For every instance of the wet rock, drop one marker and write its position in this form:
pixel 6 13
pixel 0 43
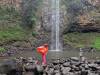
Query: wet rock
pixel 74 59
pixel 84 72
pixel 55 62
pixel 86 67
pixel 66 64
pixel 93 67
pixel 31 60
pixel 50 65
pixel 97 62
pixel 78 64
pixel 98 68
pixel 71 73
pixel 57 67
pixel 15 67
pixel 62 61
pixel 65 70
pixel 77 69
pixel 51 71
pixel 24 61
pixel 39 68
pixel 57 72
pixel 29 67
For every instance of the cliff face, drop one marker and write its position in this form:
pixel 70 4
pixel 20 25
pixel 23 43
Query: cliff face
pixel 88 22
pixel 76 15
pixel 83 15
pixel 15 3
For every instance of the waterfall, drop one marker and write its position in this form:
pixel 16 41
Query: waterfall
pixel 55 23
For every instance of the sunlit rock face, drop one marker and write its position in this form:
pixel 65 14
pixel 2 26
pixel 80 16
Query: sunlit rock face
pixel 88 23
pixel 82 15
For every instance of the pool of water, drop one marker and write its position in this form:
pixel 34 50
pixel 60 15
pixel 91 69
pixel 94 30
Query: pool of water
pixel 55 54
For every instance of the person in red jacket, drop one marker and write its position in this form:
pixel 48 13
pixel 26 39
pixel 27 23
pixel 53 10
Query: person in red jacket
pixel 43 51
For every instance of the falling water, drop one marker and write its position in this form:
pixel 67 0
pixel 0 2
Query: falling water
pixel 55 21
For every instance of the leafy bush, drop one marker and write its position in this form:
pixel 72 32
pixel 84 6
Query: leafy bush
pixel 2 49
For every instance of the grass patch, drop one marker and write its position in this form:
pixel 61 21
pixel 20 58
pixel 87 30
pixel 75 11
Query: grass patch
pixel 97 43
pixel 83 39
pixel 10 34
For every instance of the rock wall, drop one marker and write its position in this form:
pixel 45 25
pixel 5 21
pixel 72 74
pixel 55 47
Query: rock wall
pixel 83 15
pixel 88 17
pixel 15 3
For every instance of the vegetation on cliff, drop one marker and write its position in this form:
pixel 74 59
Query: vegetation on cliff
pixel 76 39
pixel 81 15
pixel 83 23
pixel 17 25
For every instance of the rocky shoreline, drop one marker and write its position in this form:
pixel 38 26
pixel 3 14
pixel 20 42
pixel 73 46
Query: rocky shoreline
pixel 31 66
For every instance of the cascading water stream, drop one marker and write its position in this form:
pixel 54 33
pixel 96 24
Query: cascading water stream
pixel 55 22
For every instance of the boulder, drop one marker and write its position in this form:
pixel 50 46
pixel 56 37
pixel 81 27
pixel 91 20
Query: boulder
pixel 7 66
pixel 84 72
pixel 66 64
pixel 97 62
pixel 74 59
pixel 66 70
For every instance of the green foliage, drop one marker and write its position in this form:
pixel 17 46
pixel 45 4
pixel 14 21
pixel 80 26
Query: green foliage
pixel 97 43
pixel 9 25
pixel 34 34
pixel 10 34
pixel 83 39
pixel 2 49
